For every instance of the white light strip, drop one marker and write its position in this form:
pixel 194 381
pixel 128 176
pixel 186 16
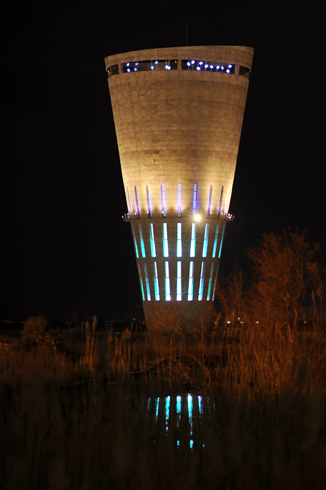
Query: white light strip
pixel 156 284
pixel 142 244
pixel 201 282
pixel 141 283
pixel 205 243
pixel 191 282
pixel 167 282
pixel 193 240
pixel 179 278
pixel 147 283
pixel 219 254
pixel 215 242
pixel 210 281
pixel 152 240
pixel 165 240
pixel 135 241
pixel 179 240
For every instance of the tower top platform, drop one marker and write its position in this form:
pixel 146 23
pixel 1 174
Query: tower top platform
pixel 241 55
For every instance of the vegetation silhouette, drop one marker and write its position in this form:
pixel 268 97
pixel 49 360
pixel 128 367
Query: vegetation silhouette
pixel 77 416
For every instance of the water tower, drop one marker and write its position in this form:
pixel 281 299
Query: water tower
pixel 178 115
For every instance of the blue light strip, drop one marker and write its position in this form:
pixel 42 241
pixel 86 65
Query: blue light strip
pixel 129 202
pixel 179 278
pixel 136 200
pixel 209 204
pixel 179 240
pixel 167 282
pixel 195 199
pixel 156 284
pixel 200 405
pixel 190 413
pixel 219 254
pixel 213 295
pixel 157 405
pixel 193 240
pixel 152 239
pixel 201 282
pixel 141 283
pixel 210 281
pixel 215 242
pixel 142 244
pixel 167 412
pixel 149 205
pixel 179 201
pixel 191 282
pixel 165 240
pixel 147 283
pixel 178 407
pixel 163 200
pixel 205 243
pixel 135 241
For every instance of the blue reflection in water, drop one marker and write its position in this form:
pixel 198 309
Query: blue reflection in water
pixel 183 416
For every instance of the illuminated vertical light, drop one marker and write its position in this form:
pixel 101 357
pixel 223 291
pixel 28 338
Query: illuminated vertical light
pixel 178 407
pixel 147 283
pixel 200 405
pixel 209 204
pixel 191 282
pixel 163 200
pixel 190 412
pixel 220 205
pixel 179 240
pixel 135 241
pixel 141 283
pixel 219 254
pixel 213 295
pixel 157 405
pixel 152 240
pixel 215 243
pixel 195 199
pixel 129 202
pixel 179 201
pixel 165 240
pixel 156 284
pixel 167 282
pixel 193 240
pixel 210 281
pixel 142 244
pixel 149 206
pixel 201 282
pixel 136 200
pixel 205 243
pixel 167 412
pixel 179 277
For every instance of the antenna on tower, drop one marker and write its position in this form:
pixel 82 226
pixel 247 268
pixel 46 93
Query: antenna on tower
pixel 186 34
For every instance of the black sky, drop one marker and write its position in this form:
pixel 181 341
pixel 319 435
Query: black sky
pixel 64 247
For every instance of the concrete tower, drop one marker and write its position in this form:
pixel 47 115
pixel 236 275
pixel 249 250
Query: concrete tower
pixel 178 115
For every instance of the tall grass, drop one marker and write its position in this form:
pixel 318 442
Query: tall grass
pixel 84 423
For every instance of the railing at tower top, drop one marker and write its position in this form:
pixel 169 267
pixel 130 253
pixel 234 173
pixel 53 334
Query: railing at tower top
pixel 172 65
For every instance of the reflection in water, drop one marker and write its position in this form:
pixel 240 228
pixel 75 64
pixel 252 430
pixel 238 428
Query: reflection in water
pixel 182 417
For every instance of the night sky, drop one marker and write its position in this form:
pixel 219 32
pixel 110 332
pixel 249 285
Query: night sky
pixel 65 251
